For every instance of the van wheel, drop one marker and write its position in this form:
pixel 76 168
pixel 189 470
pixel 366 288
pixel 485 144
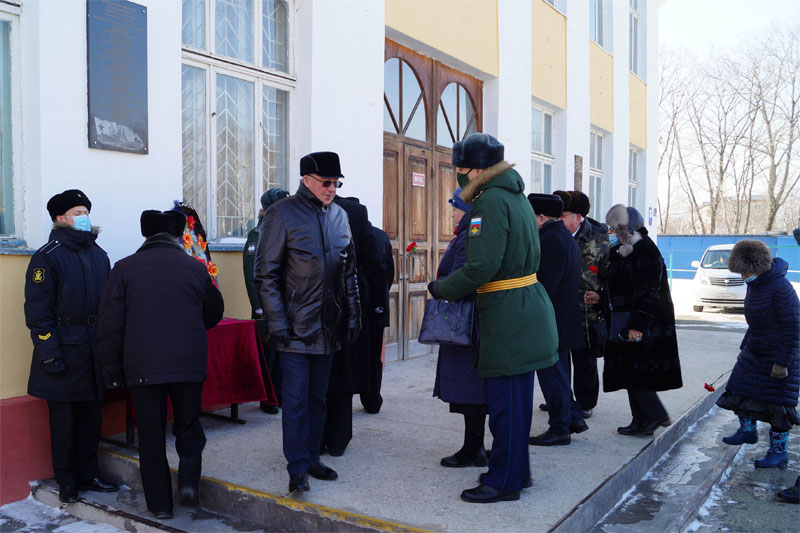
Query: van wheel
pixel 697 308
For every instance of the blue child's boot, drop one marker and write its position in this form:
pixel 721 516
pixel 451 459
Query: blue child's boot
pixel 777 456
pixel 746 434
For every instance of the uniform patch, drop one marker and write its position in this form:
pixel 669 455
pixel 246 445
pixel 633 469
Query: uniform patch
pixel 475 227
pixel 251 248
pixel 45 337
pixel 38 275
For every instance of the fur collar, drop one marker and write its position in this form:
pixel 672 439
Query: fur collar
pixel 60 225
pixel 474 187
pixel 627 240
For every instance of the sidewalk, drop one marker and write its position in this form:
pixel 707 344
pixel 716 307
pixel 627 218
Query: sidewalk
pixel 391 469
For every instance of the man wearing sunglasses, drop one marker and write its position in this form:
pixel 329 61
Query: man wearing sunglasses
pixel 305 273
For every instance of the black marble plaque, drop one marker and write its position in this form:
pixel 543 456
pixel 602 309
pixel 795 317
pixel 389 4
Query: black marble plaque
pixel 116 33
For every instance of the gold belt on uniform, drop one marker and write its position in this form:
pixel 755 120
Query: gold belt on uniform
pixel 506 284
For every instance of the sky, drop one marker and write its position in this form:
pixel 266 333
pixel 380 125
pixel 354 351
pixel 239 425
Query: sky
pixel 702 25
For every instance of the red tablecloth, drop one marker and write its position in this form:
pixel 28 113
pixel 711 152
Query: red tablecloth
pixel 237 372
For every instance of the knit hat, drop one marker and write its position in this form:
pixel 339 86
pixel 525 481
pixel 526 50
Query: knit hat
pixel 61 203
pixel 458 203
pixel 272 196
pixel 153 222
pixel 625 221
pixel 477 150
pixel 549 205
pixel 751 257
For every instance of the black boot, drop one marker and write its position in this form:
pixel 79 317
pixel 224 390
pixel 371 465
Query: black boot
pixel 472 453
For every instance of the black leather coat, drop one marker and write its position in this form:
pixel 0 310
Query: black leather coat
pixel 305 273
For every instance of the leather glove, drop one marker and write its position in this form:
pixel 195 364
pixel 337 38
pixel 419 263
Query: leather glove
pixel 433 288
pixel 281 337
pixel 778 371
pixel 55 366
pixel 352 335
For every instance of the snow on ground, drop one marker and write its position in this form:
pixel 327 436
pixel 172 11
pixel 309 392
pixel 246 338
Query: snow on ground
pixel 30 516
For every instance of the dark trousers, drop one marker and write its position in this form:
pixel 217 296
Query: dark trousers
pixel 562 408
pixel 510 412
pixel 338 422
pixel 586 381
pixel 150 402
pixel 646 406
pixel 305 383
pixel 372 400
pixel 74 436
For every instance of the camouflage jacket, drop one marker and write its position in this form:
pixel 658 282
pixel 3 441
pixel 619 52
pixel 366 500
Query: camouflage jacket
pixel 593 241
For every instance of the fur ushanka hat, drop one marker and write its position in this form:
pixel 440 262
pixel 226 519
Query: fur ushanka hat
pixel 625 221
pixel 750 257
pixel 477 150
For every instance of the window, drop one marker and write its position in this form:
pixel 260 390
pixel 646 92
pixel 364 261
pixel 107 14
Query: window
pixel 633 177
pixel 403 101
pixel 9 116
pixel 457 117
pixel 633 38
pixel 541 150
pixel 596 21
pixel 596 175
pixel 242 150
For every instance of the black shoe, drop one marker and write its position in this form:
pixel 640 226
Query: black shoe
pixel 792 494
pixel 587 413
pixel 550 438
pixel 269 409
pixel 486 494
pixel 543 407
pixel 320 471
pixel 526 483
pixel 459 460
pixel 298 483
pixel 335 453
pixel 67 493
pixel 98 485
pixel 645 428
pixel 578 427
pixel 163 515
pixel 188 497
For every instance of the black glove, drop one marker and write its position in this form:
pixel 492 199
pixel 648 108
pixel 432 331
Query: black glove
pixel 433 288
pixel 55 366
pixel 281 337
pixel 352 335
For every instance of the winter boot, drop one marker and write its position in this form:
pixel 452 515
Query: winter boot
pixel 472 453
pixel 777 456
pixel 746 434
pixel 792 494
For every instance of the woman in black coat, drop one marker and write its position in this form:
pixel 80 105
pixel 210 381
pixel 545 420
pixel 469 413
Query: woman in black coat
pixel 642 350
pixel 765 381
pixel 457 380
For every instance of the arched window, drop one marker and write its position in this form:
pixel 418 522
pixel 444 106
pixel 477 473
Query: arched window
pixel 457 117
pixel 404 103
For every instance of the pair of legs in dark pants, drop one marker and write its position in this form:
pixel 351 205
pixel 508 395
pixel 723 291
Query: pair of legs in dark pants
pixel 338 429
pixel 646 406
pixel 150 402
pixel 372 400
pixel 74 436
pixel 510 411
pixel 586 381
pixel 305 383
pixel 563 409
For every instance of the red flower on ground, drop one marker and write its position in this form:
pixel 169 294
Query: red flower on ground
pixel 593 269
pixel 412 247
pixel 709 388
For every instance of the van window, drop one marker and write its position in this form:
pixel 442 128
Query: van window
pixel 716 259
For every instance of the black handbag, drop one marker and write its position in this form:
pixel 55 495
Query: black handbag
pixel 448 323
pixel 600 332
pixel 618 326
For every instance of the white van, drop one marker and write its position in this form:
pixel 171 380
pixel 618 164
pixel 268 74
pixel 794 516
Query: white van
pixel 714 284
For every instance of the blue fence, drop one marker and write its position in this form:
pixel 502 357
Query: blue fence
pixel 680 250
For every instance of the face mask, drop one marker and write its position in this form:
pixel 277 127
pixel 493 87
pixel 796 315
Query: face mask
pixel 750 278
pixel 612 237
pixel 462 179
pixel 81 223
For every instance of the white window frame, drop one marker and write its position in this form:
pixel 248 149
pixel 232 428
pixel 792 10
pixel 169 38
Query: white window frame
pixel 541 156
pixel 634 37
pixel 597 24
pixel 596 174
pixel 213 64
pixel 633 176
pixel 11 13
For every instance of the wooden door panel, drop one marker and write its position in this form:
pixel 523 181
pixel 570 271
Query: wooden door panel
pixel 392 205
pixel 394 349
pixel 417 196
pixel 416 308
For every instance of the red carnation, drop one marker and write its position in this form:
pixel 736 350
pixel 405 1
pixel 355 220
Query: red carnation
pixel 412 247
pixel 593 269
pixel 709 388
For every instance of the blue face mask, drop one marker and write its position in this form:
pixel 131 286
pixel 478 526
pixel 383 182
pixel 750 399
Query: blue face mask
pixel 81 223
pixel 750 278
pixel 612 237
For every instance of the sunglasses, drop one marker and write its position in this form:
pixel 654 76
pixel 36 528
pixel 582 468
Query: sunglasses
pixel 327 183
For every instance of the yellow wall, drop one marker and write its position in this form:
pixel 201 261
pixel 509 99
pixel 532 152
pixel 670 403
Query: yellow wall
pixel 464 29
pixel 637 100
pixel 16 348
pixel 601 87
pixel 549 54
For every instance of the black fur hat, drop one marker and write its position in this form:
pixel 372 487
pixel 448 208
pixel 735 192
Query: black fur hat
pixel 574 202
pixel 549 205
pixel 477 150
pixel 61 203
pixel 323 164
pixel 751 257
pixel 153 222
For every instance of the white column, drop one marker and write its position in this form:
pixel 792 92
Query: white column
pixel 338 103
pixel 650 174
pixel 576 119
pixel 616 173
pixel 507 99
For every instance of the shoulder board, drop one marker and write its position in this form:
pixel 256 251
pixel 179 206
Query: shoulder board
pixel 49 247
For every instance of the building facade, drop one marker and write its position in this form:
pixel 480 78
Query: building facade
pixel 239 90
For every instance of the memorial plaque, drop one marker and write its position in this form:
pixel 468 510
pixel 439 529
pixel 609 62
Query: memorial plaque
pixel 116 35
